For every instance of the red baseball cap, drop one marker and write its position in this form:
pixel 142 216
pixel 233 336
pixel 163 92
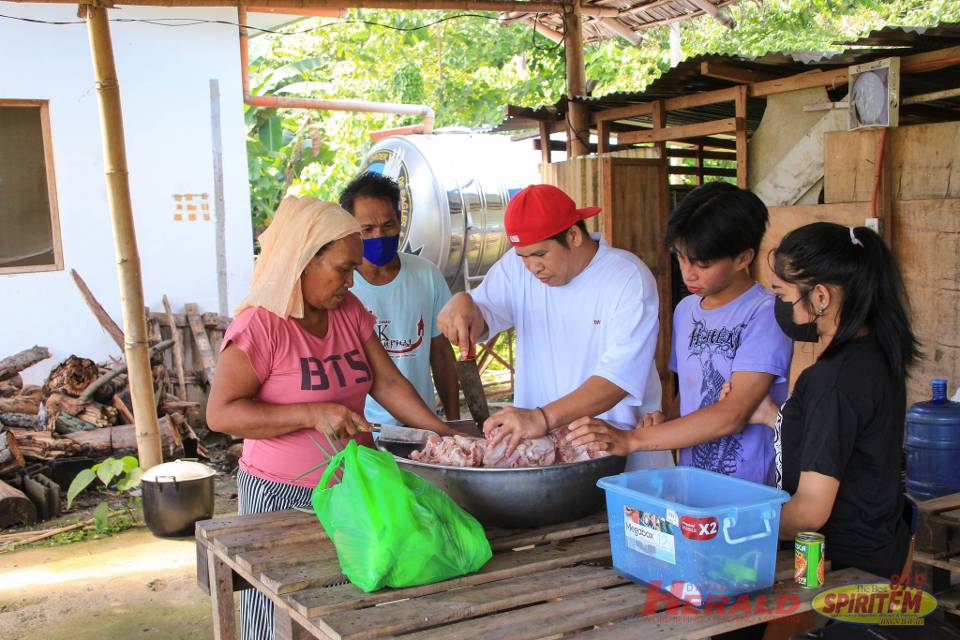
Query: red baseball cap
pixel 541 211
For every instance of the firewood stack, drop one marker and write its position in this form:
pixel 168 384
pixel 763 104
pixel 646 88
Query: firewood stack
pixel 82 409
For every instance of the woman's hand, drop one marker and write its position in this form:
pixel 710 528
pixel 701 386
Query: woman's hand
pixel 765 413
pixel 600 436
pixel 513 425
pixel 338 421
pixel 650 419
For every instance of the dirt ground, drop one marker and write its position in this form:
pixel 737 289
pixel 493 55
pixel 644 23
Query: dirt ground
pixel 131 585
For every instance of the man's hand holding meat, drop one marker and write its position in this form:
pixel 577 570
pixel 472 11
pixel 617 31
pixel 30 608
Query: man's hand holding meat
pixel 513 425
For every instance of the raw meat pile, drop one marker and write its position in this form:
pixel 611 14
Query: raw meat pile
pixel 463 451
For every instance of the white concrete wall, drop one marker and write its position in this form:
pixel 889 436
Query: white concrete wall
pixel 164 75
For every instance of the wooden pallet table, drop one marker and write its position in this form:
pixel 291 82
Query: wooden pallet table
pixel 937 553
pixel 541 583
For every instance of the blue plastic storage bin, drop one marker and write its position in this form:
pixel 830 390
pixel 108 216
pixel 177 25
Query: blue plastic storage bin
pixel 693 533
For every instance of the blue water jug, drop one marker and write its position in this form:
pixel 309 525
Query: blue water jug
pixel 933 445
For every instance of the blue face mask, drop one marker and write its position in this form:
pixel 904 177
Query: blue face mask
pixel 381 250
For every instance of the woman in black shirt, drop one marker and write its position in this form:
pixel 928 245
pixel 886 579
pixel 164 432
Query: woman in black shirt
pixel 842 428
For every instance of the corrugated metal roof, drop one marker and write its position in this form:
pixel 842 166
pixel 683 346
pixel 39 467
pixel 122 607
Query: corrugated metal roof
pixel 686 78
pixel 634 15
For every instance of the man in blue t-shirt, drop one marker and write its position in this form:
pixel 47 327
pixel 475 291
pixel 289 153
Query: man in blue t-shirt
pixel 725 332
pixel 405 293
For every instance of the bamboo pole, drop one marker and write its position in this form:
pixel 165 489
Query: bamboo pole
pixel 578 125
pixel 125 240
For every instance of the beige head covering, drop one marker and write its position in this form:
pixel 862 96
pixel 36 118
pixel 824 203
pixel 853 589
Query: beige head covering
pixel 300 227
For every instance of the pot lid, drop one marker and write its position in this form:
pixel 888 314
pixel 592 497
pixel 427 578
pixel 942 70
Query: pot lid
pixel 179 471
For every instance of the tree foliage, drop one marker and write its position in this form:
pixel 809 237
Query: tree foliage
pixel 468 68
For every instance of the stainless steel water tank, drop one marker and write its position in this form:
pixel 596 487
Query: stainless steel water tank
pixel 454 190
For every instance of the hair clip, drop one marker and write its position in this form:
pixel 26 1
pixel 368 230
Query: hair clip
pixel 853 238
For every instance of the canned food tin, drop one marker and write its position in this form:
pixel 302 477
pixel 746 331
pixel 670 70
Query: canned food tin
pixel 808 550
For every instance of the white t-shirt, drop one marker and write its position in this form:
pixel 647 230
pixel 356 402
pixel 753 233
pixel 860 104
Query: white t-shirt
pixel 602 323
pixel 406 309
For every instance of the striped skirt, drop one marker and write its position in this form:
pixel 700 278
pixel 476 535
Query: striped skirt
pixel 255 495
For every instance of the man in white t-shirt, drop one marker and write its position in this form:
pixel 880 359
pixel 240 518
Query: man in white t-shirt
pixel 586 321
pixel 405 293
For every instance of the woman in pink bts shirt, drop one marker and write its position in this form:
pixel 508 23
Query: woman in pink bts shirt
pixel 299 358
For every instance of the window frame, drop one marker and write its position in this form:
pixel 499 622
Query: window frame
pixel 57 245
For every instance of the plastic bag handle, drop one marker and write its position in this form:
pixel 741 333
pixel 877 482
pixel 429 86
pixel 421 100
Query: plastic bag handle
pixel 729 522
pixel 335 463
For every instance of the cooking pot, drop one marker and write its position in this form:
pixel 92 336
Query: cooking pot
pixel 176 495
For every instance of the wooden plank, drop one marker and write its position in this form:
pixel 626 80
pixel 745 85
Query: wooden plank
pixel 234 544
pixel 701 99
pixel 316 602
pixel 705 171
pixel 211 320
pixel 257 561
pixel 710 143
pixel 622 113
pixel 285 628
pixel 177 349
pixel 926 245
pixel 784 600
pixel 943 503
pixel 734 73
pixel 98 311
pixel 209 529
pixel 546 620
pixel 321 570
pixel 711 127
pixel 833 78
pixel 221 598
pixel 699 153
pixel 207 360
pixel 930 60
pixel 508 539
pixel 929 559
pixel 459 604
pixel 925 162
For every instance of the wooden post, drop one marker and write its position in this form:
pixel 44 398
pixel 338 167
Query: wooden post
pixel 699 156
pixel 124 236
pixel 659 117
pixel 545 142
pixel 578 118
pixel 603 136
pixel 741 113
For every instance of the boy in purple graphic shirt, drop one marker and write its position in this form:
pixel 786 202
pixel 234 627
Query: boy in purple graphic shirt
pixel 725 332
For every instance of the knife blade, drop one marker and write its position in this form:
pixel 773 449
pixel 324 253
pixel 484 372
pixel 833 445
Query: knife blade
pixel 472 387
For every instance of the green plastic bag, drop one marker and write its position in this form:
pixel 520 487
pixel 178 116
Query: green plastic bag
pixel 390 527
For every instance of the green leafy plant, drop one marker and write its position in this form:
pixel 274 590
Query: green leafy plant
pixel 123 473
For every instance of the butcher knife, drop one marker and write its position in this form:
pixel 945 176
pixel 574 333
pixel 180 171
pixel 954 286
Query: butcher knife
pixel 472 388
pixel 402 435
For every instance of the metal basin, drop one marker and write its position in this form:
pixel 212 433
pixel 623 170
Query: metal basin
pixel 518 498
